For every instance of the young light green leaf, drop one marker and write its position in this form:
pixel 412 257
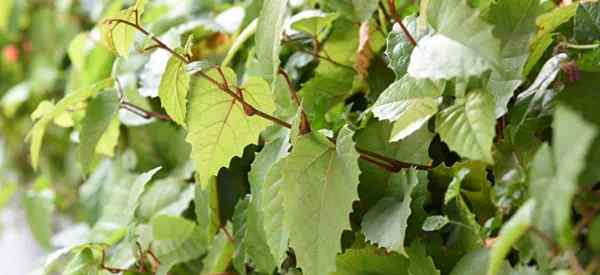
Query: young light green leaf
pixel 171 228
pixel 409 103
pixel 385 223
pixel 109 139
pixel 468 127
pixel 119 36
pixel 5 13
pixel 99 114
pixel 36 134
pixel 434 223
pixel 268 37
pixel 510 233
pixel 547 23
pixel 320 184
pixel 312 21
pixel 173 89
pixel 219 129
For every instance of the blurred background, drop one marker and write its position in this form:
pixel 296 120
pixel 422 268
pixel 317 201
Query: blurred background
pixel 50 47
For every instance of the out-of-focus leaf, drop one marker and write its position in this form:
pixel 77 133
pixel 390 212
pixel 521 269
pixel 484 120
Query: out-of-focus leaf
pixel 118 211
pixel 39 208
pixel 100 112
pixel 83 263
pixel 587 22
pixel 37 132
pixel 5 13
pixel 514 25
pixel 510 233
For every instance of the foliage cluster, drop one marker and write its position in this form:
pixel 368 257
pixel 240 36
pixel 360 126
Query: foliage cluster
pixel 306 137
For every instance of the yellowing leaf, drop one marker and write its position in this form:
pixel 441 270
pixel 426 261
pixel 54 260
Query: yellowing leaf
pixel 219 129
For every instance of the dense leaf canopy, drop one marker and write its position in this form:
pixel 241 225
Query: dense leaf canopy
pixel 315 137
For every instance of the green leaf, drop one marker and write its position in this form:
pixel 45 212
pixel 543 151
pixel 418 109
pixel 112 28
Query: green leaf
pixel 168 196
pixel 538 48
pixel 385 223
pixel 206 202
pixel 399 48
pixel 370 261
pixel 5 14
pixel 119 36
pixel 272 208
pixel 119 208
pixel 312 21
pixel 173 251
pixel 173 89
pixel 268 37
pixel 77 50
pixel 109 139
pixel 569 129
pixel 510 233
pixel 219 255
pixel 593 239
pixel 476 263
pixel 454 187
pixel 320 184
pixel 413 149
pixel 83 263
pixel 99 114
pixel 420 262
pixel 468 127
pixel 171 228
pixel 39 209
pixel 36 134
pixel 409 103
pixel 514 26
pixel 265 213
pixel 547 23
pixel 434 223
pixel 219 129
pixel 462 46
pixel 587 22
pixel 359 10
pixel 7 191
